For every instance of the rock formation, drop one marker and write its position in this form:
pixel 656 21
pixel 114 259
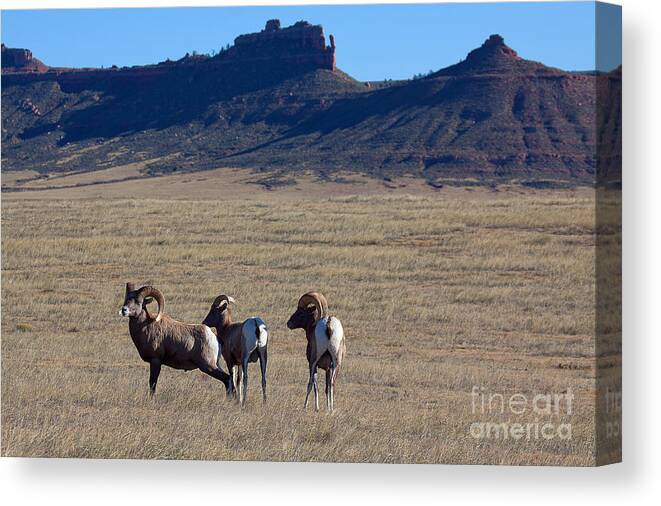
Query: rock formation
pixel 299 45
pixel 294 49
pixel 494 56
pixel 20 60
pixel 275 100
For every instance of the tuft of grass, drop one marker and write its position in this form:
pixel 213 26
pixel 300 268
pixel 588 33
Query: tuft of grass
pixel 24 327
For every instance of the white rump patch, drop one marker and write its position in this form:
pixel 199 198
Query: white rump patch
pixel 263 335
pixel 249 334
pixel 213 341
pixel 323 342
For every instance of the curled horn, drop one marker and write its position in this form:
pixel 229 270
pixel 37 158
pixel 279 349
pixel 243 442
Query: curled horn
pixel 150 291
pixel 221 298
pixel 316 299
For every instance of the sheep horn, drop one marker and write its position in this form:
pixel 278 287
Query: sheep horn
pixel 221 298
pixel 150 291
pixel 317 299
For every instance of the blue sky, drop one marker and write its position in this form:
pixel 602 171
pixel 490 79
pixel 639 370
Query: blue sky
pixel 373 41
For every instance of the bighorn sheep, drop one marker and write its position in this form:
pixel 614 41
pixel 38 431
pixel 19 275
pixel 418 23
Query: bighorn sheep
pixel 241 343
pixel 161 340
pixel 326 344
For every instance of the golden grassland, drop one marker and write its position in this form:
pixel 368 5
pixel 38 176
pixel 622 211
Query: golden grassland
pixel 437 295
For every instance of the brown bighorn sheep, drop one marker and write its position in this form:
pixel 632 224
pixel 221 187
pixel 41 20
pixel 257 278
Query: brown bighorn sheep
pixel 326 344
pixel 241 343
pixel 161 340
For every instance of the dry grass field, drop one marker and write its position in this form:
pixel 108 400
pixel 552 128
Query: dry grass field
pixel 439 293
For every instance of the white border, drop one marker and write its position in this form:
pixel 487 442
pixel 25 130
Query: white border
pixel 28 481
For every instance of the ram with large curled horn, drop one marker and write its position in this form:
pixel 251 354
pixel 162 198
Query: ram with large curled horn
pixel 161 340
pixel 326 345
pixel 316 300
pixel 241 342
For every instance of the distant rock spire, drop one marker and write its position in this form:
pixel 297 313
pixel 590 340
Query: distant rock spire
pixel 495 57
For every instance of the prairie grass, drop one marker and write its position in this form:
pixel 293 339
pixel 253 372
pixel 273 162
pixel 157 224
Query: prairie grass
pixel 436 296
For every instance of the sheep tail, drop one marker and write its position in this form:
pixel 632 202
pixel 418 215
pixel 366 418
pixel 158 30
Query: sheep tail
pixel 261 333
pixel 329 329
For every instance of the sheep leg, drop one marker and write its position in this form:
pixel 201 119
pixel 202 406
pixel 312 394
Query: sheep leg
pixel 332 388
pixel 238 383
pixel 329 404
pixel 331 383
pixel 230 388
pixel 305 404
pixel 316 391
pixel 217 373
pixel 262 364
pixel 235 378
pixel 313 372
pixel 154 371
pixel 244 377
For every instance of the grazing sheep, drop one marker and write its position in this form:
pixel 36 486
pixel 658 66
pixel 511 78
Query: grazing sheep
pixel 161 340
pixel 242 342
pixel 326 344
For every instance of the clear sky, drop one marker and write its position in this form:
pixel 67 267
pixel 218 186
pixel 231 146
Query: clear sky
pixel 373 41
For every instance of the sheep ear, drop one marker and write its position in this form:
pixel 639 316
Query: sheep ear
pixel 148 300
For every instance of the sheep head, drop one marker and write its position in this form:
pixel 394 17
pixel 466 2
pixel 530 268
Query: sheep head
pixel 135 301
pixel 311 307
pixel 218 310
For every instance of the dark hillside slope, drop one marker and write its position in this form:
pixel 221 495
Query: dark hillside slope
pixel 495 118
pixel 191 112
pixel 180 118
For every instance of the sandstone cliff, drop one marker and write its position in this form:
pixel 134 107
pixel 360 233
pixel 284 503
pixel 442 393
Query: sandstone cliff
pixel 20 60
pixel 294 49
pixel 275 100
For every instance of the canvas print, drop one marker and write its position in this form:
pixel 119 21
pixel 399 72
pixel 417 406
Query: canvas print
pixel 357 233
